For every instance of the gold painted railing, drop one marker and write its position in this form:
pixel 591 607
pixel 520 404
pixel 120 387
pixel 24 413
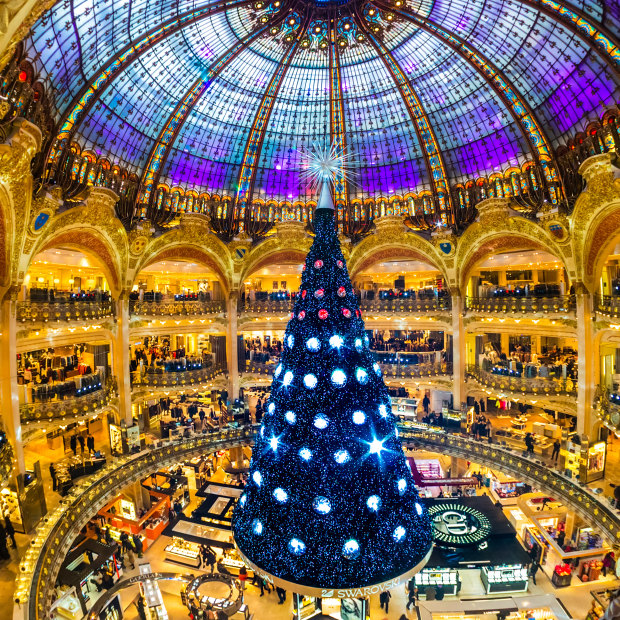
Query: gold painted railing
pixel 54 536
pixel 176 308
pixel 44 312
pixel 607 408
pixel 69 407
pixel 608 305
pixel 404 304
pixel 283 306
pixel 174 379
pixel 522 385
pixel 523 305
pixel 6 463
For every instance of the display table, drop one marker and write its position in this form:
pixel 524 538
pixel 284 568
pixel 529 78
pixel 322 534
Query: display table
pixel 183 552
pixel 448 578
pixel 510 578
pixel 153 530
pixel 69 606
pixel 233 566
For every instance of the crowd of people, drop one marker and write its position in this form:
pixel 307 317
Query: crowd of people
pixel 413 342
pixel 262 350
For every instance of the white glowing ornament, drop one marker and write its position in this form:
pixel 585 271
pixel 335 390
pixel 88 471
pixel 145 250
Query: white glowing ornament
pixel 257 527
pixel 242 500
pixel 288 378
pixel 271 407
pixel 278 370
pixel 296 546
pixel 383 411
pixel 280 494
pixel 377 369
pixel 336 341
pixel 359 417
pixel 290 417
pixel 321 421
pixel 339 378
pixel 361 375
pixel 402 486
pixel 257 477
pixel 376 446
pixel 351 549
pixel 358 344
pixel 313 344
pixel 290 341
pixel 399 534
pixel 274 442
pixel 305 454
pixel 310 381
pixel 373 503
pixel 341 457
pixel 418 509
pixel 322 505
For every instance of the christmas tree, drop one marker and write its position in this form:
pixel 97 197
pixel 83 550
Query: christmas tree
pixel 330 501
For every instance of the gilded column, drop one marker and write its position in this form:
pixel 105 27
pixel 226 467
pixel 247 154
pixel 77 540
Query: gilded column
pixel 585 359
pixel 458 351
pixel 120 358
pixel 8 380
pixel 232 354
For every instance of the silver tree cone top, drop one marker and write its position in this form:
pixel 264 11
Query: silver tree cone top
pixel 325 199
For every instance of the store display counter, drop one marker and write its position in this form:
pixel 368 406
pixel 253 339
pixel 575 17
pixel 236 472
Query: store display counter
pixel 448 578
pixel 510 578
pixel 183 552
pixel 68 606
pixel 153 530
pixel 233 566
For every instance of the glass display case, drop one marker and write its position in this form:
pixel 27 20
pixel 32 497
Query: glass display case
pixel 507 578
pixel 306 607
pixel 405 408
pixel 448 578
pixel 183 552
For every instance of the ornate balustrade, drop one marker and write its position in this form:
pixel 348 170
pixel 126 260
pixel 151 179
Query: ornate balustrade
pixel 407 304
pixel 40 565
pixel 176 308
pixel 80 405
pixel 283 306
pixel 607 406
pixel 608 305
pixel 6 460
pixel 522 385
pixel 46 312
pixel 521 305
pixel 174 379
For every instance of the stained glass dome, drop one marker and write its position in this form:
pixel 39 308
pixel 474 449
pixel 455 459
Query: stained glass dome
pixel 219 97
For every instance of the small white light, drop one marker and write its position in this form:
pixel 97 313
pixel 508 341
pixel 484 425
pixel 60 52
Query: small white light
pixel 310 381
pixel 377 369
pixel 351 549
pixel 290 341
pixel 271 407
pixel 290 417
pixel 274 442
pixel 278 370
pixel 336 341
pixel 280 494
pixel 305 454
pixel 242 500
pixel 296 546
pixel 288 378
pixel 358 344
pixel 359 417
pixel 313 344
pixel 321 421
pixel 383 411
pixel 418 508
pixel 402 486
pixel 257 527
pixel 341 457
pixel 373 503
pixel 257 477
pixel 376 446
pixel 366 341
pixel 361 375
pixel 322 505
pixel 339 378
pixel 399 533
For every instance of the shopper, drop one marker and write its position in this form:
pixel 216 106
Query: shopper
pixel 431 593
pixel 533 570
pixel 243 577
pixel 129 554
pixel 426 403
pixel 556 451
pixel 80 438
pixel 384 599
pixel 97 580
pixel 560 539
pixel 90 443
pixel 73 444
pixel 281 592
pixel 10 531
pixel 440 593
pixel 609 563
pixel 529 443
pixel 108 537
pixel 412 594
pixel 137 543
pixel 53 475
pixel 211 559
pixel 141 608
pixel 613 609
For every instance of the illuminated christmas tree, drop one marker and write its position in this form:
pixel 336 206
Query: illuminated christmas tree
pixel 330 501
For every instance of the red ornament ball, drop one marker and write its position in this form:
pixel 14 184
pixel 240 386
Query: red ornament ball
pixel 340 264
pixel 323 314
pixel 342 291
pixel 301 315
pixel 292 315
pixel 358 313
pixel 318 264
pixel 319 293
pixel 346 313
pixel 303 268
pixel 303 294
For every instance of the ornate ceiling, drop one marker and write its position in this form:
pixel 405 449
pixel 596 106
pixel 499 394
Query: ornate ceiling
pixel 219 96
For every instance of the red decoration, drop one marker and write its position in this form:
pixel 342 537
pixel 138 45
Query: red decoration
pixel 303 268
pixel 340 264
pixel 303 294
pixel 358 313
pixel 347 313
pixel 23 76
pixel 301 315
pixel 319 293
pixel 341 291
pixel 318 264
pixel 292 315
pixel 323 314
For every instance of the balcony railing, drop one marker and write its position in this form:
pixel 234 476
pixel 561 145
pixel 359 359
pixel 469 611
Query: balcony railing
pixel 521 305
pixel 176 308
pixel 607 406
pixel 608 304
pixel 6 460
pixel 159 378
pixel 283 306
pixel 57 312
pixel 407 304
pixel 54 409
pixel 522 385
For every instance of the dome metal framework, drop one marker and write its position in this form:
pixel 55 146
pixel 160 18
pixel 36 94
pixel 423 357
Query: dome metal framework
pixel 205 106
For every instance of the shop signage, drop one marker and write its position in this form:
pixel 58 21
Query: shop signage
pixel 458 524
